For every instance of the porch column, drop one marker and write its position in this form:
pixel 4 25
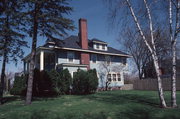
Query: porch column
pixel 41 60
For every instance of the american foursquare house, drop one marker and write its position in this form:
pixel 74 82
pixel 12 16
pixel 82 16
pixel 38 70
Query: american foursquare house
pixel 78 52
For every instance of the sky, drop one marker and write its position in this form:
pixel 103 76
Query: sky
pixel 96 13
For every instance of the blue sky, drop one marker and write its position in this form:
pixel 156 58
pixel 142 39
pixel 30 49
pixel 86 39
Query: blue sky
pixel 96 13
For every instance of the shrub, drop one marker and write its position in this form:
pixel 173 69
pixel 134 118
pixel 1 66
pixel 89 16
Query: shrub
pixel 66 81
pixel 85 82
pixel 19 86
pixel 61 82
pixel 42 84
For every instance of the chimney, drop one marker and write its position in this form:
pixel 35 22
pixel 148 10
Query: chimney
pixel 83 33
pixel 84 42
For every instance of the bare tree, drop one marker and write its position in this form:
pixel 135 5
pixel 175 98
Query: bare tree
pixel 133 44
pixel 106 68
pixel 143 21
pixel 173 36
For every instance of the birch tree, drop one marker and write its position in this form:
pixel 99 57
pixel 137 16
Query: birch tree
pixel 147 22
pixel 173 36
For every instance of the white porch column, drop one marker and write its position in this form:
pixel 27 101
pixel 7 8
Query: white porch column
pixel 41 60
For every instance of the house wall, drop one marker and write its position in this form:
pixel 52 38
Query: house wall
pixel 102 68
pixel 117 65
pixel 62 57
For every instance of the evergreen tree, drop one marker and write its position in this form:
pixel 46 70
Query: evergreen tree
pixel 11 36
pixel 45 18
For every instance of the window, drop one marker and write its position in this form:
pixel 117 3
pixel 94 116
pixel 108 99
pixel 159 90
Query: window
pixel 119 77
pixel 103 47
pixel 108 60
pixel 114 77
pixel 70 56
pixel 109 77
pixel 94 58
pixel 97 46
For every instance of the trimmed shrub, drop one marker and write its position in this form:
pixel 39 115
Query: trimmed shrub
pixel 85 82
pixel 66 81
pixel 61 82
pixel 19 86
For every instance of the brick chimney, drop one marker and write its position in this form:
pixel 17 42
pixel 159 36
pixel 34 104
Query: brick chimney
pixel 84 41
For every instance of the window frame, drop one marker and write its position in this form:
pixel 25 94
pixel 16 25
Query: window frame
pixel 114 77
pixel 97 45
pixel 103 47
pixel 118 77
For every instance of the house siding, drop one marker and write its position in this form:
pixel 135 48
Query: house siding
pixel 102 70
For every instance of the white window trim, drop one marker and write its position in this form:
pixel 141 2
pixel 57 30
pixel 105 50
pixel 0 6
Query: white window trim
pixel 116 73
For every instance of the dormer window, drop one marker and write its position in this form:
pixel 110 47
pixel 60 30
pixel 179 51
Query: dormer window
pixel 97 46
pixel 103 47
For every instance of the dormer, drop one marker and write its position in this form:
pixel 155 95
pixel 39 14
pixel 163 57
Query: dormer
pixel 99 45
pixel 50 43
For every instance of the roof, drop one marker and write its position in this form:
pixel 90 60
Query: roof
pixel 74 42
pixel 98 41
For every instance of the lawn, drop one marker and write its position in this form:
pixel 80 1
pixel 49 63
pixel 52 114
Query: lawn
pixel 102 105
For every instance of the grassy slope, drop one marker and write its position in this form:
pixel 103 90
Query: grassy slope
pixel 103 105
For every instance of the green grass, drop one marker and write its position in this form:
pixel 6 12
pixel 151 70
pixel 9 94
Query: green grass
pixel 102 105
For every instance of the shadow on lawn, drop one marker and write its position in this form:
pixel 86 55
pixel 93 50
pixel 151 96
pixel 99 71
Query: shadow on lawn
pixel 11 98
pixel 124 98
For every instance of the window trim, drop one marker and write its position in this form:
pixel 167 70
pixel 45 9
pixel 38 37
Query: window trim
pixel 112 77
pixel 97 46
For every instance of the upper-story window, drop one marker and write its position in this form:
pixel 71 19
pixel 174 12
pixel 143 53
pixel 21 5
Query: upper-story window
pixel 103 47
pixel 94 58
pixel 97 46
pixel 108 60
pixel 70 56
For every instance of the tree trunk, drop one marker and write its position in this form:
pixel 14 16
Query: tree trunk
pixel 32 60
pixel 160 87
pixel 3 71
pixel 174 41
pixel 151 49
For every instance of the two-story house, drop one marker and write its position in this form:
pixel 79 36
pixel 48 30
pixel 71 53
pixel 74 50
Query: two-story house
pixel 78 52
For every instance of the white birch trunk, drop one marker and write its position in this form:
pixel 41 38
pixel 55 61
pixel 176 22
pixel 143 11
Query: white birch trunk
pixel 151 49
pixel 174 41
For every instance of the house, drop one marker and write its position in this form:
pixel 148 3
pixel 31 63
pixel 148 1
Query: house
pixel 78 52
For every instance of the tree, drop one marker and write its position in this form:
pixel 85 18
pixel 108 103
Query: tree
pixel 142 19
pixel 45 18
pixel 134 44
pixel 174 20
pixel 11 36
